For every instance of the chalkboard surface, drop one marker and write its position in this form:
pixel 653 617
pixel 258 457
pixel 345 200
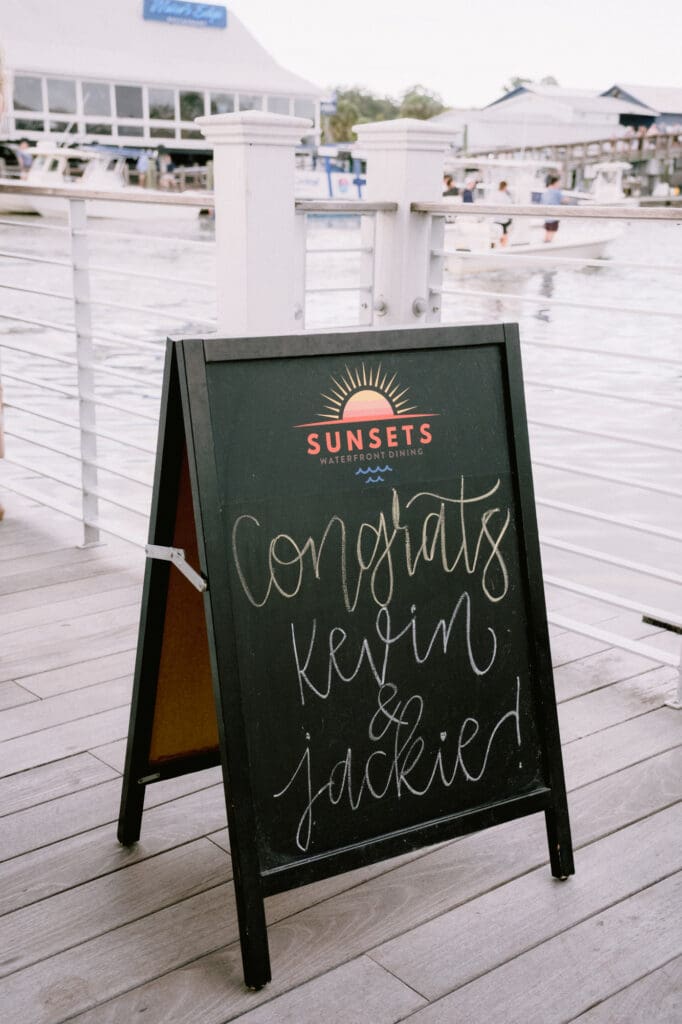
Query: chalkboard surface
pixel 375 616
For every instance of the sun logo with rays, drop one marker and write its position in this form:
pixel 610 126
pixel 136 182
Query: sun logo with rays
pixel 362 395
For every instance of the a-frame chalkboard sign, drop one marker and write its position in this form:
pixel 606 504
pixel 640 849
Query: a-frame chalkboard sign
pixel 358 630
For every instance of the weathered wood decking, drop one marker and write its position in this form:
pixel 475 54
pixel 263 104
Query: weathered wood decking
pixel 471 931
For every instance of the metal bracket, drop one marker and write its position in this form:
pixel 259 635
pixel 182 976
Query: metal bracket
pixel 147 779
pixel 177 557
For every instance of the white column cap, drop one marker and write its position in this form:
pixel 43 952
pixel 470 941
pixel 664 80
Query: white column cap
pixel 405 133
pixel 253 128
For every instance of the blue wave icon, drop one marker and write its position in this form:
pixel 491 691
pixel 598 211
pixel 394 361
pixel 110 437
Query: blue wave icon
pixel 373 470
pixel 373 473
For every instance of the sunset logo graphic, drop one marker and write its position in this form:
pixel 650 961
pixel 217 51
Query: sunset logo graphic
pixel 367 416
pixel 359 395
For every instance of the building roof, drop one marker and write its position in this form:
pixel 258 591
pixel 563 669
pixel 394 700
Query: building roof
pixel 497 127
pixel 582 99
pixel 555 91
pixel 110 39
pixel 665 99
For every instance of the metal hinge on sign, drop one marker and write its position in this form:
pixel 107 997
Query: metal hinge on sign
pixel 177 557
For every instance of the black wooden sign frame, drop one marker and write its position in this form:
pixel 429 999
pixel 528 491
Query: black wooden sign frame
pixel 186 426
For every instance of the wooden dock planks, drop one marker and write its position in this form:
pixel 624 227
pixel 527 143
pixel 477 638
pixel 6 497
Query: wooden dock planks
pixel 472 930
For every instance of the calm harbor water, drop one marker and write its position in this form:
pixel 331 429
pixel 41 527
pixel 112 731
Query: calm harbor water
pixel 636 359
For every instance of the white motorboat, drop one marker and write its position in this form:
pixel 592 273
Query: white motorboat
pixel 607 181
pixel 10 161
pixel 15 202
pixel 80 170
pixel 472 253
pixel 474 242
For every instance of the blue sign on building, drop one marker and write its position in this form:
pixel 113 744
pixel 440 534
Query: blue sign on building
pixel 181 12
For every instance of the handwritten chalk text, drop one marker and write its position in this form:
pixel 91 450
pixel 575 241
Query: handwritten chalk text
pixel 441 533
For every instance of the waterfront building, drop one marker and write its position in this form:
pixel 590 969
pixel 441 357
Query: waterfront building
pixel 665 100
pixel 536 115
pixel 135 73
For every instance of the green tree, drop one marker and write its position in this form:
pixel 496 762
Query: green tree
pixel 515 82
pixel 421 103
pixel 359 106
pixel 356 106
pixel 338 127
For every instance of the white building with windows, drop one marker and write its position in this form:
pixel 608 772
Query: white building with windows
pixel 135 73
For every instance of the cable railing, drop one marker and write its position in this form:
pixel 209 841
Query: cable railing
pixel 328 271
pixel 82 390
pixel 548 301
pixel 588 211
pixel 611 417
pixel 97 359
pixel 66 399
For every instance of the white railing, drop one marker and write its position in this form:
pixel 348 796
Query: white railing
pixel 339 291
pixel 104 475
pixel 66 392
pixel 664 566
pixel 82 394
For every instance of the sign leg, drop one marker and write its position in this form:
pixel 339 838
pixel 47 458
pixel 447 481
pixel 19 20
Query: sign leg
pixel 253 937
pixel 559 840
pixel 130 815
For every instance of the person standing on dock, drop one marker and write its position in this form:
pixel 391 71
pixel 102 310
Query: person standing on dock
pixel 25 158
pixel 166 169
pixel 142 167
pixel 552 196
pixel 449 187
pixel 468 193
pixel 504 198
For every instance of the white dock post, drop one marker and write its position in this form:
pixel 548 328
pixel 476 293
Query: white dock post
pixel 85 356
pixel 257 273
pixel 405 163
